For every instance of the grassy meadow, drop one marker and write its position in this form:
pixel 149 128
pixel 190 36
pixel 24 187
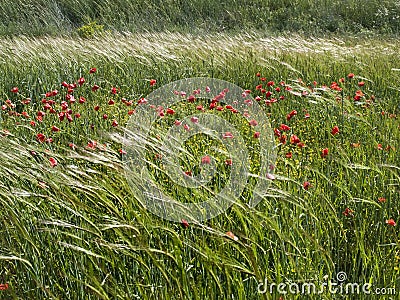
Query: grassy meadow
pixel 71 227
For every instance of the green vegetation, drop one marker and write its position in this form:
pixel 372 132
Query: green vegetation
pixel 73 74
pixel 307 16
pixel 77 231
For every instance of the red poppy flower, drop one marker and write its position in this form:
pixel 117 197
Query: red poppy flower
pixel 200 107
pixel 380 147
pixel 324 152
pixel 114 123
pixel 188 173
pixel 53 162
pixel 256 135
pixel 289 155
pixel 170 111
pixel 14 90
pixel 284 127
pixel 282 139
pixel 185 224
pixel 3 286
pixel 348 212
pixel 391 222
pixel 194 120
pixel 153 82
pixel 96 108
pixel 206 160
pixel 95 88
pixel 335 130
pixel 92 70
pixel 186 127
pixel 227 135
pixel 351 75
pixel 228 162
pixel 306 185
pixel 72 146
pixel 55 129
pixel 381 199
pixel 294 139
pixel 253 123
pixel 41 137
pixel 105 117
pixel 114 90
pixel 81 81
pixel 111 102
pixel 258 74
pixel 361 83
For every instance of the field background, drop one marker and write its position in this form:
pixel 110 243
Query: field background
pixel 76 231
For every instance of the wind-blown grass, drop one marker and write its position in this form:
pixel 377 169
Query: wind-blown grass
pixel 78 231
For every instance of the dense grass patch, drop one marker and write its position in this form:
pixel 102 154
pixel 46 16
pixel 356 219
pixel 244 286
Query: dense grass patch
pixel 307 16
pixel 76 230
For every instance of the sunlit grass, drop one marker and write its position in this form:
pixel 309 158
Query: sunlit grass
pixel 78 230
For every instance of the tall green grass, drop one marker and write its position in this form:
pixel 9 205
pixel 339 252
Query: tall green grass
pixel 78 231
pixel 307 16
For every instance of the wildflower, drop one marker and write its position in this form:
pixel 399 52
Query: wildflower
pixel 81 81
pixel 324 152
pixel 284 127
pixel 380 147
pixel 96 108
pixel 95 88
pixel 114 123
pixel 114 90
pixel 186 127
pixel 105 117
pixel 153 82
pixel 227 135
pixel 228 162
pixel 55 129
pixel 122 151
pixel 194 119
pixel 170 111
pixel 72 146
pixel 306 185
pixel 253 123
pixel 53 162
pixel 41 137
pixel 294 139
pixel 348 212
pixel 14 90
pixel 289 155
pixel 382 199
pixel 335 130
pixel 206 160
pixel 111 102
pixel 361 83
pixel 92 70
pixel 184 223
pixel 351 75
pixel 256 135
pixel 391 222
